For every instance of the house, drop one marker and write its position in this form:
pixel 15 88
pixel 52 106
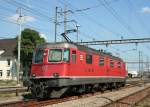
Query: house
pixel 146 74
pixel 133 73
pixel 7 59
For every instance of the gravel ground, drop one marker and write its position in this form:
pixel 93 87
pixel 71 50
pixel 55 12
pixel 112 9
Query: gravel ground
pixel 10 99
pixel 101 99
pixel 144 103
pixel 94 101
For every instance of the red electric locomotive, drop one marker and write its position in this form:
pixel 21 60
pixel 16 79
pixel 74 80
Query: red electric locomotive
pixel 58 68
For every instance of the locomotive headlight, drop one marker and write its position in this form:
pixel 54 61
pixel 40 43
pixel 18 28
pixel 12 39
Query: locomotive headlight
pixel 45 52
pixel 33 75
pixel 56 75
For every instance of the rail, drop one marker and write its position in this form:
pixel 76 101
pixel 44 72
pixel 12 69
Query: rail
pixel 16 90
pixel 130 100
pixel 39 103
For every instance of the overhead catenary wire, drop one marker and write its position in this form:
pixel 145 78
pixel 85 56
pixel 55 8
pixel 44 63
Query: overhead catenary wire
pixel 36 6
pixel 120 20
pixel 95 21
pixel 142 24
pixel 29 9
pixel 6 9
pixel 112 11
pixel 24 25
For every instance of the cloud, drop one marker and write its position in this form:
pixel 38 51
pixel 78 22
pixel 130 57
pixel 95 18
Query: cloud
pixel 24 19
pixel 145 9
pixel 43 36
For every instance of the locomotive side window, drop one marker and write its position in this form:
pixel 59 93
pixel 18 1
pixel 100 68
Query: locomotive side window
pixel 66 55
pixel 119 64
pixel 111 63
pixel 74 57
pixel 88 59
pixel 55 55
pixel 38 57
pixel 101 61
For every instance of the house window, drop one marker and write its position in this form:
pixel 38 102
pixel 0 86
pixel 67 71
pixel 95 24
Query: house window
pixel 1 73
pixel 88 59
pixel 8 73
pixel 8 62
pixel 101 61
pixel 74 57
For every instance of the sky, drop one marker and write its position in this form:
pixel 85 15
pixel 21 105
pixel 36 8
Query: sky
pixel 97 20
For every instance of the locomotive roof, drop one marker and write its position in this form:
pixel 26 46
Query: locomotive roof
pixel 76 46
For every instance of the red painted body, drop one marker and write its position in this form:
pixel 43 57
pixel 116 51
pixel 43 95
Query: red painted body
pixel 80 68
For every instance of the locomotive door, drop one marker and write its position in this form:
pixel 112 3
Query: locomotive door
pixel 111 67
pixel 107 66
pixel 73 66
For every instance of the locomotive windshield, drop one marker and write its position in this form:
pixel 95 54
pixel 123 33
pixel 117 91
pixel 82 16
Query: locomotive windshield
pixel 55 55
pixel 38 57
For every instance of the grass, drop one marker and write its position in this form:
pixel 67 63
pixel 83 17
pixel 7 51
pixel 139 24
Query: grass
pixel 8 83
pixel 8 95
pixel 26 95
pixel 12 83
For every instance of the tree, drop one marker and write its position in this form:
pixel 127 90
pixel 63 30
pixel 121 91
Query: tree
pixel 29 40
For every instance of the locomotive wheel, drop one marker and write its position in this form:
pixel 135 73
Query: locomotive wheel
pixel 39 91
pixel 117 86
pixel 110 86
pixel 102 88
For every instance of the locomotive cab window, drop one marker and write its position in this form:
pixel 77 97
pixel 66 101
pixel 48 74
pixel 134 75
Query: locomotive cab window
pixel 55 55
pixel 74 57
pixel 88 59
pixel 66 55
pixel 101 61
pixel 111 63
pixel 38 56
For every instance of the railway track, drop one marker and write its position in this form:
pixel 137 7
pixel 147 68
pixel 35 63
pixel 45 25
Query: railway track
pixel 35 103
pixel 130 100
pixel 12 89
pixel 39 103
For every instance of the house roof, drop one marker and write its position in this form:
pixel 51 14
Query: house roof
pixel 8 46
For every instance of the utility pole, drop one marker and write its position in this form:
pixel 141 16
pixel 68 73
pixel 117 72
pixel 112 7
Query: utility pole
pixel 140 63
pixel 147 63
pixel 65 18
pixel 19 43
pixel 77 26
pixel 65 13
pixel 142 68
pixel 56 9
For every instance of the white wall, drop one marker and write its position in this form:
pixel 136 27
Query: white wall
pixel 4 67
